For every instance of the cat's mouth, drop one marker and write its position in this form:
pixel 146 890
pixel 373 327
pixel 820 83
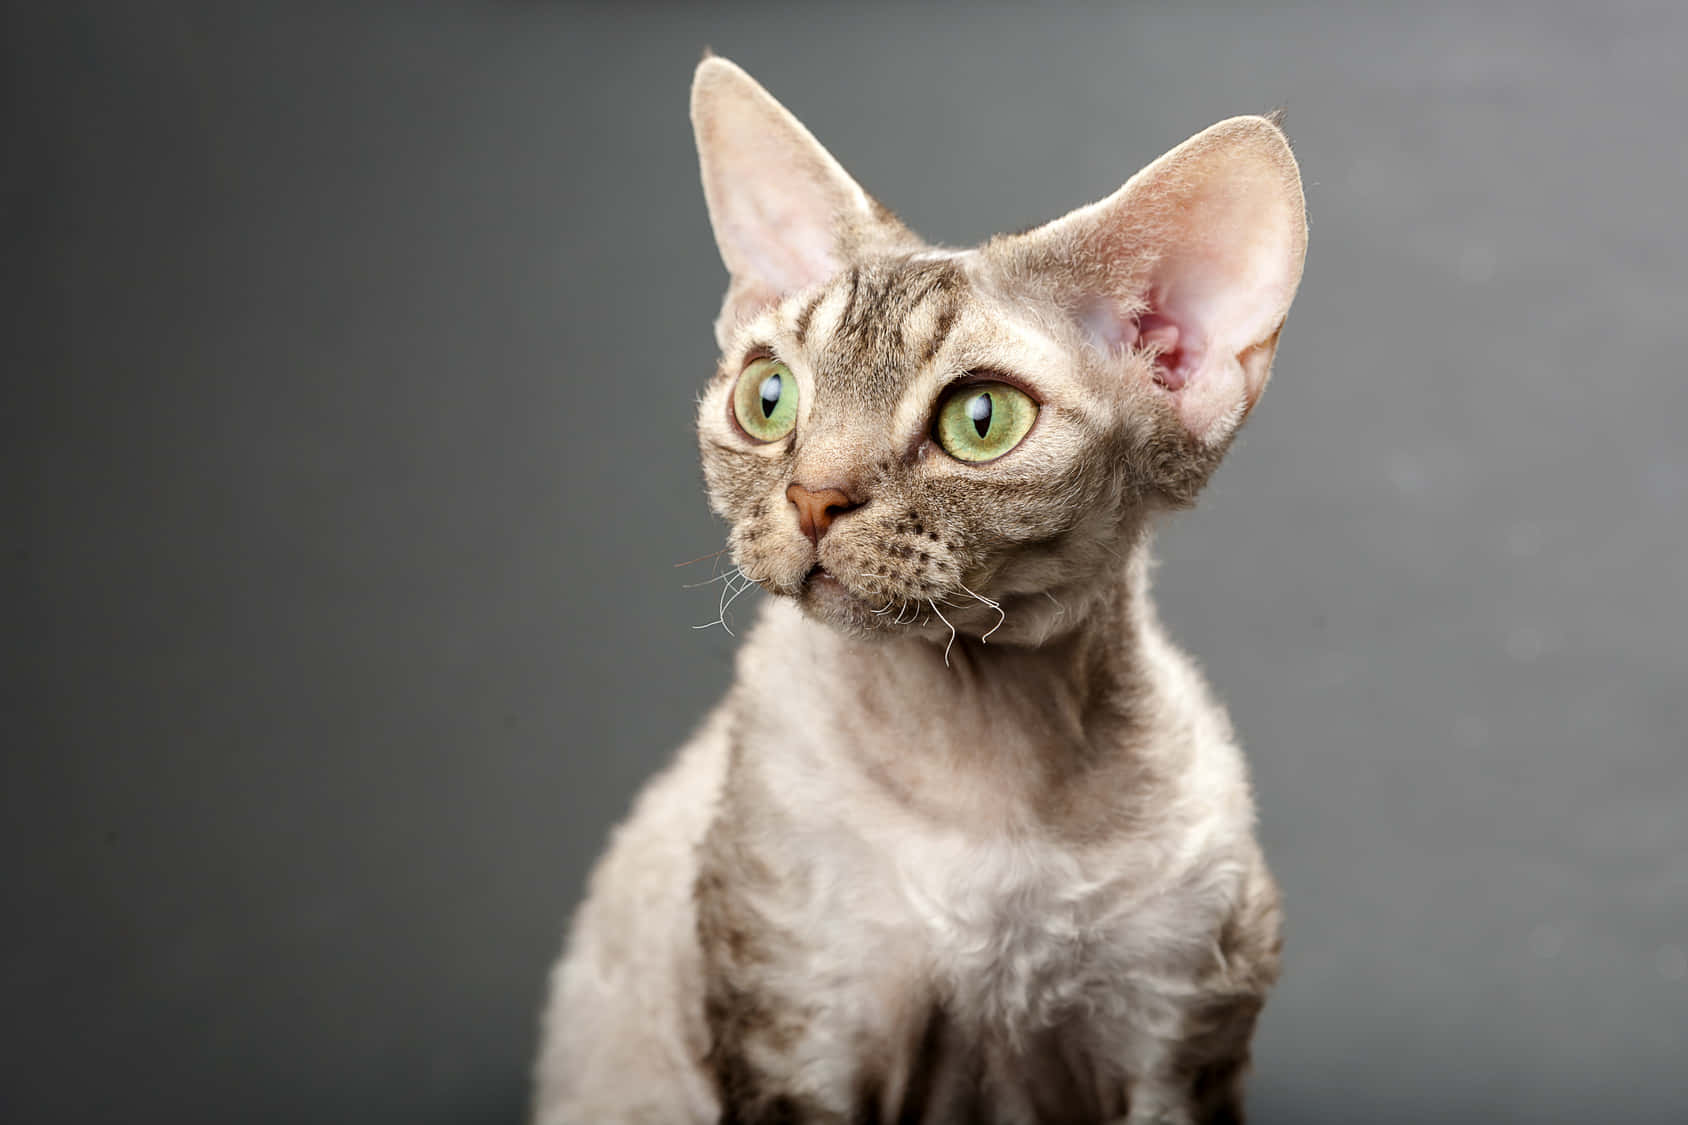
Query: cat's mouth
pixel 832 600
pixel 839 602
pixel 822 588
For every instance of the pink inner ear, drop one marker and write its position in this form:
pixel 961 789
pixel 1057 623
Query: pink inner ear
pixel 1177 350
pixel 1177 342
pixel 1186 322
pixel 778 241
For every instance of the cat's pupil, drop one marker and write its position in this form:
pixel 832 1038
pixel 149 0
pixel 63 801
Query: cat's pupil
pixel 980 411
pixel 770 392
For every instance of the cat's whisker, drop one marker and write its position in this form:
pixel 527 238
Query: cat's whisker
pixel 700 558
pixel 721 603
pixel 724 601
pixel 707 581
pixel 946 621
pixel 747 584
pixel 711 624
pixel 1001 616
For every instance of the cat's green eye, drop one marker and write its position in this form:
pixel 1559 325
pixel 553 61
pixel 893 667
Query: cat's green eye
pixel 765 400
pixel 982 421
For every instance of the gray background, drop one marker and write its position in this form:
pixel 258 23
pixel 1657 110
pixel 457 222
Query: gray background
pixel 347 458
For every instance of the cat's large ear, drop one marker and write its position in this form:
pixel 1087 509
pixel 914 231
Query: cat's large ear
pixel 786 214
pixel 1196 258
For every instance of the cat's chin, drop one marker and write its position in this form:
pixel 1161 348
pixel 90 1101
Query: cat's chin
pixel 1023 619
pixel 829 600
pixel 825 598
pixel 823 595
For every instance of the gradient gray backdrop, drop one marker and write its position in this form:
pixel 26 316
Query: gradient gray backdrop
pixel 347 448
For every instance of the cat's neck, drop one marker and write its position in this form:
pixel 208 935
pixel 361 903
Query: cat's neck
pixel 1085 646
pixel 1053 732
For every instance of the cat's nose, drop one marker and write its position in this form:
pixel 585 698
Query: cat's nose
pixel 818 507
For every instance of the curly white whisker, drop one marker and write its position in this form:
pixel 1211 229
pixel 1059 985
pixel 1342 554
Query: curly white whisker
pixel 1001 616
pixel 946 621
pixel 725 600
pixel 748 583
pixel 724 574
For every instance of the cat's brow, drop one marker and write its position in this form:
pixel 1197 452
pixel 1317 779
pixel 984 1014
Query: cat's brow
pixel 940 333
pixel 801 327
pixel 845 324
pixel 871 331
pixel 940 280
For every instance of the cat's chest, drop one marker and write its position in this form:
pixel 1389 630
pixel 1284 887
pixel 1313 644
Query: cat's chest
pixel 982 838
pixel 1015 931
pixel 959 888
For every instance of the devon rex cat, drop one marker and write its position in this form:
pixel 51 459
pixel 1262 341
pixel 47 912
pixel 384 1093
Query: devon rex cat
pixel 968 841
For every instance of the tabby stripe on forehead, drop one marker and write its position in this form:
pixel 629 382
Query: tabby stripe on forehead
pixel 942 279
pixel 803 318
pixel 850 303
pixel 894 330
pixel 940 333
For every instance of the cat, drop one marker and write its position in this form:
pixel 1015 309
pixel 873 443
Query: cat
pixel 968 841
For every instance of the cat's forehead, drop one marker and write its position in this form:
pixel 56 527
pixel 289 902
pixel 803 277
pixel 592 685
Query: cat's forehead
pixel 879 326
pixel 878 322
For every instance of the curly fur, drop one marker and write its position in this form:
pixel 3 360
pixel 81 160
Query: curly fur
pixel 968 840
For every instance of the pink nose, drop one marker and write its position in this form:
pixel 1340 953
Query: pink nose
pixel 817 508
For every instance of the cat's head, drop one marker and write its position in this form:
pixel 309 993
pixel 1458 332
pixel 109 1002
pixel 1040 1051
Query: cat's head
pixel 905 438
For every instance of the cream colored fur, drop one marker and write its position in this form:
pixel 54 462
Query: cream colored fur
pixel 969 839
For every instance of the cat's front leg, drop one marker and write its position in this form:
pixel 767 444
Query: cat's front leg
pixel 1214 1096
pixel 1189 1068
pixel 1195 1077
pixel 795 994
pixel 806 1027
pixel 759 1045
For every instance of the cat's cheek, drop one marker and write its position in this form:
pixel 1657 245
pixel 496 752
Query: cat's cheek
pixel 777 559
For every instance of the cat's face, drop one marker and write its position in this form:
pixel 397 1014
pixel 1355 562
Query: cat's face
pixel 879 372
pixel 908 439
